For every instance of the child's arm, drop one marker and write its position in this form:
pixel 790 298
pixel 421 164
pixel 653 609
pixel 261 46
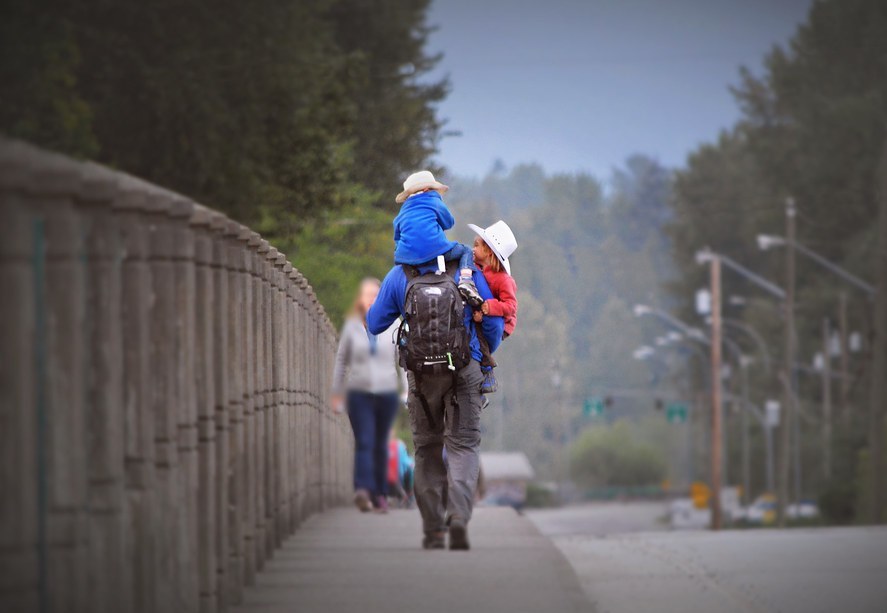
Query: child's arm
pixel 506 304
pixel 445 217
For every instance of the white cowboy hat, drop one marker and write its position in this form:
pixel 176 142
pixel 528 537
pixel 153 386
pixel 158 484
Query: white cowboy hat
pixel 501 240
pixel 417 182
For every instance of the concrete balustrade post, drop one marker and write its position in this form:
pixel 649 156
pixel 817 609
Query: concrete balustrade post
pixel 100 236
pixel 131 207
pixel 247 463
pixel 62 409
pixel 205 401
pixel 185 406
pixel 267 460
pixel 218 227
pixel 291 407
pixel 273 424
pixel 280 395
pixel 258 367
pixel 235 413
pixel 296 400
pixel 22 302
pixel 163 399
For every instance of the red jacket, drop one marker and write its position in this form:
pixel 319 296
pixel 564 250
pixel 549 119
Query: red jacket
pixel 504 304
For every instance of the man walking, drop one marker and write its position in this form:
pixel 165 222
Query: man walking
pixel 444 389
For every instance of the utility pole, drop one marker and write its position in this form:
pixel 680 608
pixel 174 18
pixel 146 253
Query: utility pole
pixel 826 401
pixel 785 423
pixel 716 413
pixel 746 453
pixel 876 423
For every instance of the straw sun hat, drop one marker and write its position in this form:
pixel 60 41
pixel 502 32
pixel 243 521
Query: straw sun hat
pixel 417 182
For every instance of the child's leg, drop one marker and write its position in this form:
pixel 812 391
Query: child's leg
pixel 487 364
pixel 487 360
pixel 463 254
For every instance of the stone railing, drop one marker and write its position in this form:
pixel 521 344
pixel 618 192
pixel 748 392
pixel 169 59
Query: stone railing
pixel 163 395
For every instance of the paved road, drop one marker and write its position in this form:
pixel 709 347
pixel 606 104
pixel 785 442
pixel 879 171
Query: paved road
pixel 601 519
pixel 624 570
pixel 343 561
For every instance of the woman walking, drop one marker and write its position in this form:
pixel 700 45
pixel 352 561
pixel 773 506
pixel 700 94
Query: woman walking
pixel 365 382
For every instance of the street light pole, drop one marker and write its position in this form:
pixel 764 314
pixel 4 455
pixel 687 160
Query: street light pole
pixel 716 426
pixel 845 369
pixel 746 451
pixel 788 410
pixel 826 400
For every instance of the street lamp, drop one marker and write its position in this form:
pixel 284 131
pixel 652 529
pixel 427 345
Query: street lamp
pixel 642 353
pixel 715 260
pixel 706 255
pixel 716 430
pixel 769 241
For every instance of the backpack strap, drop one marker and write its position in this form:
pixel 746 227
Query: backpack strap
pixel 452 267
pixel 423 400
pixel 411 272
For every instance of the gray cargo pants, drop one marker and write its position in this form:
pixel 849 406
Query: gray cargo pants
pixel 439 492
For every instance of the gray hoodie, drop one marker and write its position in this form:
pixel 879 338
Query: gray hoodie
pixel 359 369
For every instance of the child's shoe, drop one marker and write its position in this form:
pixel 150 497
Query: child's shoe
pixel 469 292
pixel 484 403
pixel 490 384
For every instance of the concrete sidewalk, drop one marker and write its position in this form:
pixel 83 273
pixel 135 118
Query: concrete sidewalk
pixel 344 561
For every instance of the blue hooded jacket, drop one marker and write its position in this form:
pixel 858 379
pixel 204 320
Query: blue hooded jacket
pixel 390 302
pixel 419 229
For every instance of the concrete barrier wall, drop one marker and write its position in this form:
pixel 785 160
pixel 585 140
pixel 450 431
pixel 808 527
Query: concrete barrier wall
pixel 163 395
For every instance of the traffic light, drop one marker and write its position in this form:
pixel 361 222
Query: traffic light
pixel 594 406
pixel 676 413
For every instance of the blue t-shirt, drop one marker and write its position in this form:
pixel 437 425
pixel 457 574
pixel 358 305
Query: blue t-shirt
pixel 419 229
pixel 390 302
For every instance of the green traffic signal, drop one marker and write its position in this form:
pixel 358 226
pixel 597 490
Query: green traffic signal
pixel 593 407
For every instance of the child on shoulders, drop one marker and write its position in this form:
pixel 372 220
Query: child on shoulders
pixel 419 231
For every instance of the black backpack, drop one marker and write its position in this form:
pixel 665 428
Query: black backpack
pixel 432 338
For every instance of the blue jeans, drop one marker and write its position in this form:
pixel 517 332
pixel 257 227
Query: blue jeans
pixel 371 418
pixel 463 253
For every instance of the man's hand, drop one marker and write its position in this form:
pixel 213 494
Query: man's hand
pixel 485 308
pixel 478 316
pixel 337 402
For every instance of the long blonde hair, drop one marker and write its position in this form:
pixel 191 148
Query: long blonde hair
pixel 493 260
pixel 356 310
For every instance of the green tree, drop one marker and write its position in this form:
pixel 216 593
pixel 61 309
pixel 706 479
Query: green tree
pixel 612 456
pixel 285 109
pixel 812 127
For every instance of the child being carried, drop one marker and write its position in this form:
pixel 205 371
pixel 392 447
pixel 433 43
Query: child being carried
pixel 492 248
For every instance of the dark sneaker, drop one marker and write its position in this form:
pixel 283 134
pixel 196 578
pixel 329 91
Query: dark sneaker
pixel 490 385
pixel 434 540
pixel 381 504
pixel 469 292
pixel 458 535
pixel 362 501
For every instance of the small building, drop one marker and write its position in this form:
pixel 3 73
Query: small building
pixel 505 477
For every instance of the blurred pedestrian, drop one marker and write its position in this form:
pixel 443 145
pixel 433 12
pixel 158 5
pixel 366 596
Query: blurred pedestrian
pixel 366 381
pixel 400 470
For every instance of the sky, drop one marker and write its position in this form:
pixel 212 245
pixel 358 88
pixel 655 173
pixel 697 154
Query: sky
pixel 580 85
